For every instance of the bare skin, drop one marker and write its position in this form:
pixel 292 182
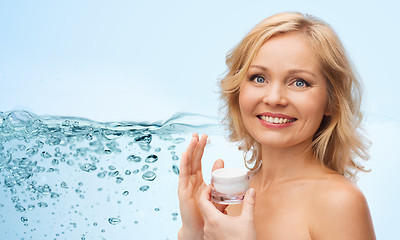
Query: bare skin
pixel 191 185
pixel 318 205
pixel 296 197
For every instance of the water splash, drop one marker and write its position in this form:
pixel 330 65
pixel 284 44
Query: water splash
pixel 87 173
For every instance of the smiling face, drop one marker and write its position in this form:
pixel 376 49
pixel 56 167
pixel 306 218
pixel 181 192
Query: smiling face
pixel 283 98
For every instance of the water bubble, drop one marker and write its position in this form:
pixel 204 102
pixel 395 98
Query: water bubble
pixel 89 137
pixel 125 193
pixel 10 181
pixel 19 208
pixel 52 141
pixel 113 174
pixel 145 167
pixel 128 172
pixel 20 147
pixel 55 162
pixel 31 151
pixel 42 205
pixel 102 174
pixel 119 179
pixel 149 176
pixel 178 140
pixel 44 189
pixel 133 158
pixel 111 167
pixel 151 159
pixel 175 157
pixel 24 219
pixel 144 188
pixel 145 147
pixel 54 195
pixel 40 169
pixel 156 209
pixel 114 221
pixel 31 207
pixel 15 199
pixel 64 185
pixel 146 139
pixel 66 123
pixel 39 143
pixel 175 169
pixel 88 167
pixel 45 154
pixel 157 149
pixel 172 147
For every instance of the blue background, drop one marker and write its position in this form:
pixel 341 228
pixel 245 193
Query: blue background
pixel 146 60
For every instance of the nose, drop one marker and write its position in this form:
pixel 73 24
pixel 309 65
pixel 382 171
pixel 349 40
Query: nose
pixel 275 96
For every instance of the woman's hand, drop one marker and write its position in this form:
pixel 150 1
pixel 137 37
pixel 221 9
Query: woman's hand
pixel 191 184
pixel 218 226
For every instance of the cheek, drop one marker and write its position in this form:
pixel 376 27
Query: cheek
pixel 315 109
pixel 243 101
pixel 247 99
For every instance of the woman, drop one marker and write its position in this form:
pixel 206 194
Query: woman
pixel 293 104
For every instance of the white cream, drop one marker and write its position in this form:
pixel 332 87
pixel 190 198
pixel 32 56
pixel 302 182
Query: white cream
pixel 229 185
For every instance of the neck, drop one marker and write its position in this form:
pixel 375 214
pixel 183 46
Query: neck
pixel 281 164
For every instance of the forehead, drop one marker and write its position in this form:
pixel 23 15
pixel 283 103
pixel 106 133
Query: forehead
pixel 286 51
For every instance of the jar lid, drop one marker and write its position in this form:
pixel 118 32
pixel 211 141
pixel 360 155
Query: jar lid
pixel 229 175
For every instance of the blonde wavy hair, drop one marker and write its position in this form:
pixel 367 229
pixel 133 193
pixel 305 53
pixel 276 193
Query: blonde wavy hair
pixel 337 142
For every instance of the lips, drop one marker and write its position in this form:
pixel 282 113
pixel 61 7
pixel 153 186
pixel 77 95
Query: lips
pixel 276 118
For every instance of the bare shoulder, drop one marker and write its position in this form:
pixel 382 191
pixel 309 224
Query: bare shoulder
pixel 340 211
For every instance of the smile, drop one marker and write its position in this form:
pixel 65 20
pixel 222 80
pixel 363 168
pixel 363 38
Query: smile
pixel 276 120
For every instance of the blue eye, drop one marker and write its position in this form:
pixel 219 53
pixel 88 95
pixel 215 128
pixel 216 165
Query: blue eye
pixel 300 83
pixel 257 79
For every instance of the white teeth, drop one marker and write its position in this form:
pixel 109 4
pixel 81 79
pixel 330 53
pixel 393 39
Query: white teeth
pixel 276 120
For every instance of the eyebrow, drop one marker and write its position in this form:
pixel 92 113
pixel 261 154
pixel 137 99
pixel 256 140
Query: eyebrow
pixel 292 71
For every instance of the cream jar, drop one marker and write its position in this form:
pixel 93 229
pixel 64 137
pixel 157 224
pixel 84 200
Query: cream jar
pixel 229 185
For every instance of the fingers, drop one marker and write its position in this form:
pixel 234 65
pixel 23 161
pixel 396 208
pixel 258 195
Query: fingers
pixel 218 164
pixel 248 204
pixel 206 207
pixel 185 168
pixel 198 154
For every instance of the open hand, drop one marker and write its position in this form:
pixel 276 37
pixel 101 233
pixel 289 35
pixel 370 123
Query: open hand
pixel 191 184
